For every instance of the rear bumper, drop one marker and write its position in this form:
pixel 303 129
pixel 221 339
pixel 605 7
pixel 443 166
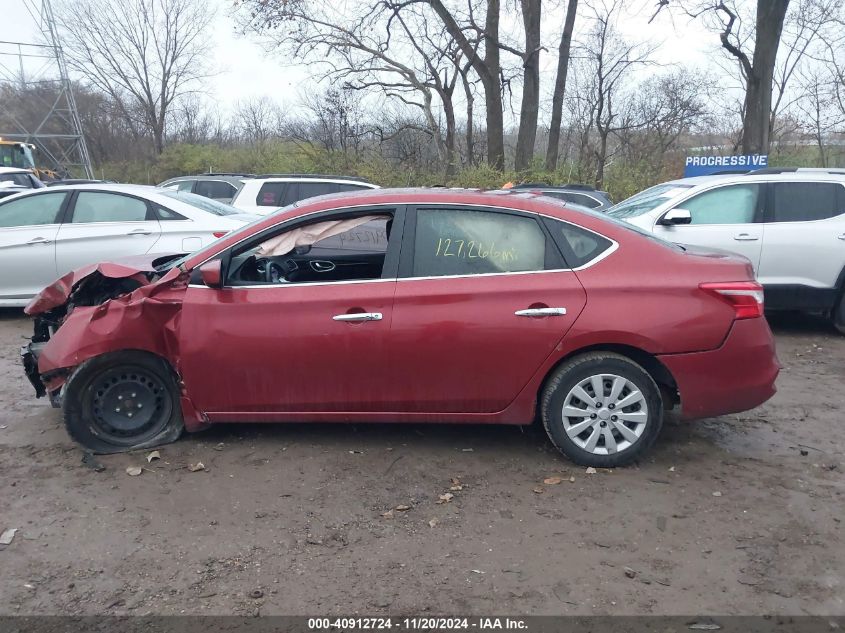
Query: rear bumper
pixel 738 376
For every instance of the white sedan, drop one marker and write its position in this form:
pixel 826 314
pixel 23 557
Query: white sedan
pixel 50 232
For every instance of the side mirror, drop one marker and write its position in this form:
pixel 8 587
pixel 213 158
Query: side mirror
pixel 211 273
pixel 676 216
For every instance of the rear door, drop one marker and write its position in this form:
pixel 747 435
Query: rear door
pixel 804 243
pixel 483 299
pixel 102 226
pixel 28 229
pixel 727 217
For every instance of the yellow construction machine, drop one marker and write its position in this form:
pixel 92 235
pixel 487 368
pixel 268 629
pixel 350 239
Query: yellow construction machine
pixel 22 155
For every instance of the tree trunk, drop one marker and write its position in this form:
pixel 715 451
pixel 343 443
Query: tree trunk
pixel 470 139
pixel 493 89
pixel 560 86
pixel 531 12
pixel 489 71
pixel 758 94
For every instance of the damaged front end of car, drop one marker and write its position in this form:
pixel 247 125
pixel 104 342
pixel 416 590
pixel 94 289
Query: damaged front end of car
pixel 77 317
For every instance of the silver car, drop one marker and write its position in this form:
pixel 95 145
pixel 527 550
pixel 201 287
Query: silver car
pixel 790 223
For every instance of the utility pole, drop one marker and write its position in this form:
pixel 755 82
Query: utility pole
pixel 55 129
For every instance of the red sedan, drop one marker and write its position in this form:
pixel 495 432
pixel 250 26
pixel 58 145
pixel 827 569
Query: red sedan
pixel 409 306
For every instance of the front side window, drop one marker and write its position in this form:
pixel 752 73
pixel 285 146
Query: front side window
pixel 732 204
pixel 806 201
pixel 107 207
pixel 340 249
pixel 459 242
pixel 32 210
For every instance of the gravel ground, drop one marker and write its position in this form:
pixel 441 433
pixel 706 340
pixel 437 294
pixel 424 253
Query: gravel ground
pixel 733 515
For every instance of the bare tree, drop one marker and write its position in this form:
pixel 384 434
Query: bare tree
pixel 144 54
pixel 560 85
pixel 757 66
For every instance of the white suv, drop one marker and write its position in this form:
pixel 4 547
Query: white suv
pixel 789 222
pixel 265 194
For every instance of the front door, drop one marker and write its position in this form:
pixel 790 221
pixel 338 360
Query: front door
pixel 301 325
pixel 726 217
pixel 28 229
pixel 105 226
pixel 484 299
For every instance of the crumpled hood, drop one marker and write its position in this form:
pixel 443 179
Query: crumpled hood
pixel 58 292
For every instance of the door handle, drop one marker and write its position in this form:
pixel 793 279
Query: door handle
pixel 321 266
pixel 358 316
pixel 38 240
pixel 745 237
pixel 541 312
pixel 139 232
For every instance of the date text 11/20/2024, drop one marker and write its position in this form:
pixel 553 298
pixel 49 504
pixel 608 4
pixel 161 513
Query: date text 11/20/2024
pixel 415 624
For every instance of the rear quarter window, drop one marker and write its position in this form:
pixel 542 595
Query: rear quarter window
pixel 579 246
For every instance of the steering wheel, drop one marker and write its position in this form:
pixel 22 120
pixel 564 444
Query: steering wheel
pixel 276 272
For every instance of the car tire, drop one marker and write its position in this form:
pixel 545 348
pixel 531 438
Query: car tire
pixel 122 401
pixel 607 434
pixel 839 313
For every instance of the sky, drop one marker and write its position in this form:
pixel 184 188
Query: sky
pixel 246 70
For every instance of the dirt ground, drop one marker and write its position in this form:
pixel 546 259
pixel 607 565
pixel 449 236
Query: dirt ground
pixel 733 515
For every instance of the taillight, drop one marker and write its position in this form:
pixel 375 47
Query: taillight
pixel 746 297
pixel 219 234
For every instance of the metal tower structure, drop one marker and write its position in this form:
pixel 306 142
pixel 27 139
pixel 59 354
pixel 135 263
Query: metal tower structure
pixel 39 70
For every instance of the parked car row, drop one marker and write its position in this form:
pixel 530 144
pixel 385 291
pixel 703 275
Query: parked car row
pixel 396 303
pixel 263 194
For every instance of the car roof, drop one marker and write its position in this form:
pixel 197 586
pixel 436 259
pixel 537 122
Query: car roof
pixel 766 175
pixel 108 186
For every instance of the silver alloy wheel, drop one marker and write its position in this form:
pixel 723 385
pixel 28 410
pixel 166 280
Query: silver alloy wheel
pixel 605 414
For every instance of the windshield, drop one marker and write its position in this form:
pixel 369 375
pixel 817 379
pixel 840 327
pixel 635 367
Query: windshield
pixel 200 202
pixel 647 200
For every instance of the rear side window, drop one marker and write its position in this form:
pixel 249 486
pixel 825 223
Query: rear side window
pixel 215 189
pixel 270 194
pixel 107 207
pixel 731 204
pixel 806 201
pixel 458 242
pixel 32 210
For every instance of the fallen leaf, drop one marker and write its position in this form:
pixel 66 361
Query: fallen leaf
pixel 455 481
pixel 456 488
pixel 572 479
pixel 356 452
pixel 477 571
pixel 590 470
pixel 552 481
pixel 388 514
pixel 152 456
pixel 446 497
pixel 433 522
pixel 7 536
pixel 671 469
pixel 134 471
pixel 196 467
pixel 466 450
pixel 630 573
pixel 219 447
pixel 717 494
pixel 539 490
pixel 402 508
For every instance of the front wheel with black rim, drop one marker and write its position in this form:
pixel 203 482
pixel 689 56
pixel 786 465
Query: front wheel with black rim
pixel 602 409
pixel 122 401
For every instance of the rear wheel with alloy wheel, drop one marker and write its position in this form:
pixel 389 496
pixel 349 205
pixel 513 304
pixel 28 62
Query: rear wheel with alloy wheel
pixel 602 409
pixel 122 401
